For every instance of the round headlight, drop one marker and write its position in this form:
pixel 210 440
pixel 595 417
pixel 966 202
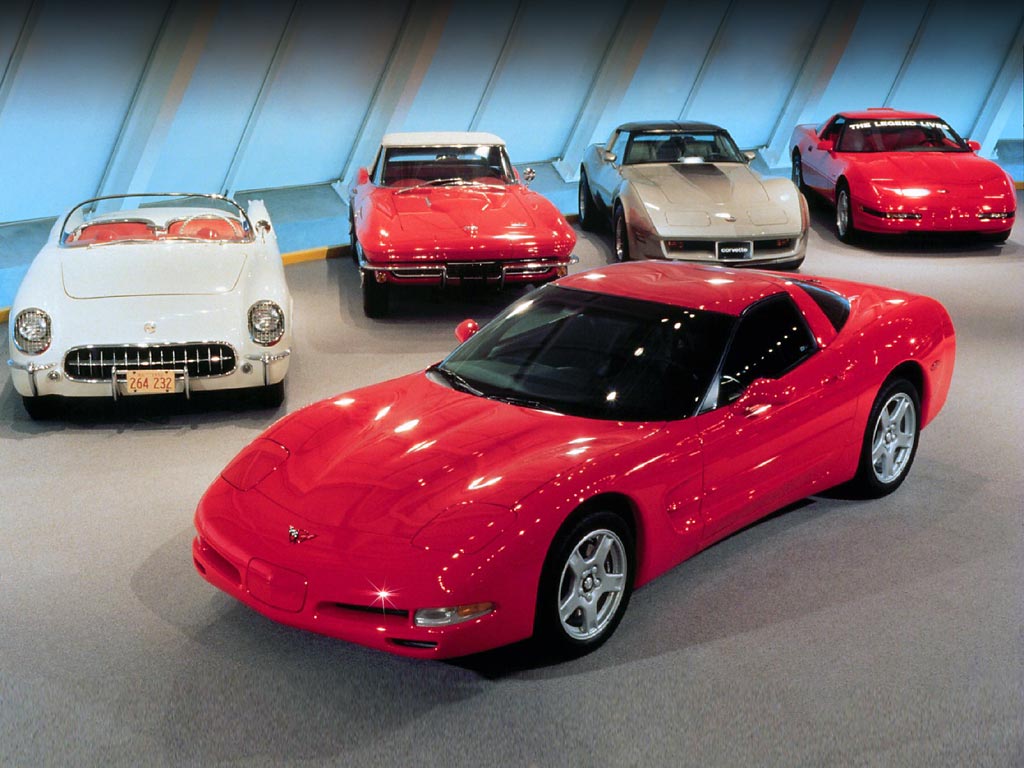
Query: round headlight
pixel 266 323
pixel 32 331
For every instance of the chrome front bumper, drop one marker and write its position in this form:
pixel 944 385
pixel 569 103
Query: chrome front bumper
pixel 445 271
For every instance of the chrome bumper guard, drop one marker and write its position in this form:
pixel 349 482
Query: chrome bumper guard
pixel 31 369
pixel 266 358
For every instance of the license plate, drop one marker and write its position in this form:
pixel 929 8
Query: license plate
pixel 740 249
pixel 149 382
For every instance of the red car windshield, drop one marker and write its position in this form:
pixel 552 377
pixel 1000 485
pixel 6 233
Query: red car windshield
pixel 593 355
pixel 418 166
pixel 900 136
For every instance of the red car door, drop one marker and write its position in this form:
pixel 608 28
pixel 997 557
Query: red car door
pixel 783 421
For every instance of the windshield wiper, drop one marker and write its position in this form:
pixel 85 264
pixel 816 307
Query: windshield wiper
pixel 455 181
pixel 521 401
pixel 454 380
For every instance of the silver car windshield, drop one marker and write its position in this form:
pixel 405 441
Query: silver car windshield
pixel 683 147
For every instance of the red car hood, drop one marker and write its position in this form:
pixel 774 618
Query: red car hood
pixel 389 458
pixel 464 223
pixel 946 169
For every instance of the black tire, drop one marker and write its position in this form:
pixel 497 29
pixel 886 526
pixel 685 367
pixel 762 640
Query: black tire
pixel 585 202
pixel 41 408
pixel 375 296
pixel 845 230
pixel 270 396
pixel 620 235
pixel 353 242
pixel 890 440
pixel 998 237
pixel 577 591
pixel 797 173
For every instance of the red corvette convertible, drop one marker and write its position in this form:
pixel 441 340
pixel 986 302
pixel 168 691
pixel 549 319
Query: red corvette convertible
pixel 598 432
pixel 894 172
pixel 448 207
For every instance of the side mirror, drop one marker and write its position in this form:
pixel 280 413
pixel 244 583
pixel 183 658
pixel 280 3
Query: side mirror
pixel 362 176
pixel 826 145
pixel 529 175
pixel 974 145
pixel 465 329
pixel 751 155
pixel 609 157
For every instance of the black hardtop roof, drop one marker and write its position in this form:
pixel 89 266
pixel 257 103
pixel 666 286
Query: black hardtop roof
pixel 668 126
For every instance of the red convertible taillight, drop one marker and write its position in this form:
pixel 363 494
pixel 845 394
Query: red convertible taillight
pixel 249 468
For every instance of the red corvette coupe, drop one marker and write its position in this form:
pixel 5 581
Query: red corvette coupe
pixel 894 172
pixel 441 207
pixel 598 432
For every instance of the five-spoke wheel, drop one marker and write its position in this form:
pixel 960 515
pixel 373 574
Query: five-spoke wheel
pixel 890 440
pixel 845 229
pixel 586 584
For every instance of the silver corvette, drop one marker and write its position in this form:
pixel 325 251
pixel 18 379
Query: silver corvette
pixel 685 191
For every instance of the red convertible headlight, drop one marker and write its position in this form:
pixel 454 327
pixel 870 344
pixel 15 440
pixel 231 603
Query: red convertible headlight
pixel 266 323
pixel 249 468
pixel 464 528
pixel 32 332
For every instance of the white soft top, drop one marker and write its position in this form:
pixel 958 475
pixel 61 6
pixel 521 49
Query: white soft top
pixel 440 139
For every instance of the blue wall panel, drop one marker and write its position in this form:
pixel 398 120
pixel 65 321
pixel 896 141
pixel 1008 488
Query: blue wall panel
pixel 458 75
pixel 67 102
pixel 872 59
pixel 272 104
pixel 316 104
pixel 751 74
pixel 969 54
pixel 209 123
pixel 669 66
pixel 553 55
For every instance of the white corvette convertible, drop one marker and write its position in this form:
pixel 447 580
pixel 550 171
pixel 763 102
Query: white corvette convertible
pixel 152 295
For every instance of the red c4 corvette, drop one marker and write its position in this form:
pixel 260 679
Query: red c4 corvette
pixel 893 172
pixel 449 207
pixel 598 432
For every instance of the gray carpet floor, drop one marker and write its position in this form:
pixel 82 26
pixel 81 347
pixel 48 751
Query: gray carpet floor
pixel 838 632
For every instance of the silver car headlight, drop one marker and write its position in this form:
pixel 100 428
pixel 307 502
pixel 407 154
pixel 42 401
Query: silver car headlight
pixel 266 323
pixel 32 331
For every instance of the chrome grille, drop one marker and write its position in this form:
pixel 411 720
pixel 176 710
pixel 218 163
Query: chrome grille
pixel 202 360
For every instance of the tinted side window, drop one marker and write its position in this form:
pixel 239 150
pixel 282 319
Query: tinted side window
pixel 771 340
pixel 833 130
pixel 835 307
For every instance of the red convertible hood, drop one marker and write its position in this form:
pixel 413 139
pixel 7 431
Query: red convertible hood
pixel 465 223
pixel 389 458
pixel 946 169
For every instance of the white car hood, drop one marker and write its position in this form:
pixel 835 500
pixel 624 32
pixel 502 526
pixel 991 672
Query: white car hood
pixel 145 270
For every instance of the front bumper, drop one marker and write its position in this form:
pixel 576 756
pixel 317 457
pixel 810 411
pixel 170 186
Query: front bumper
pixel 358 587
pixel 879 218
pixel 759 251
pixel 534 270
pixel 47 376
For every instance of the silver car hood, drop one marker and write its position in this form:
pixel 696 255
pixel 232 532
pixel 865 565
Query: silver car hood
pixel 726 196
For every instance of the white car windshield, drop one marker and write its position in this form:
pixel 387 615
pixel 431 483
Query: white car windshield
pixel 145 218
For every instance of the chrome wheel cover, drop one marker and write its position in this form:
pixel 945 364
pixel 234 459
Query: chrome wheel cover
pixel 842 212
pixel 592 584
pixel 620 238
pixel 797 172
pixel 582 202
pixel 892 440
